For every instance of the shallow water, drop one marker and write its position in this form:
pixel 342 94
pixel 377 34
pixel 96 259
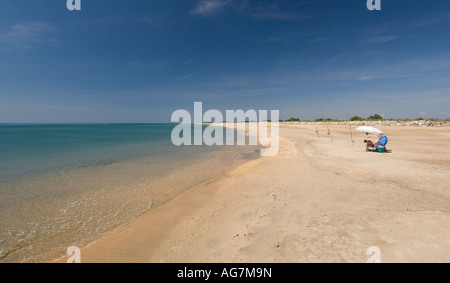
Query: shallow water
pixel 66 185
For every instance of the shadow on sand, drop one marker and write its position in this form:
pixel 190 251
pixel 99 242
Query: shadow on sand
pixel 374 150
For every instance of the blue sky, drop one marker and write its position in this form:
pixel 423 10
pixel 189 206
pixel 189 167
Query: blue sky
pixel 140 60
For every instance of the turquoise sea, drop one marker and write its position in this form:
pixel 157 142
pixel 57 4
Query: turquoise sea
pixel 65 185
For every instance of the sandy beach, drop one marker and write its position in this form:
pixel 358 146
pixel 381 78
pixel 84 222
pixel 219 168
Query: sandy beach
pixel 138 132
pixel 319 200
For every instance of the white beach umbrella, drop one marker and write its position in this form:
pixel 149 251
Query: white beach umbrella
pixel 370 130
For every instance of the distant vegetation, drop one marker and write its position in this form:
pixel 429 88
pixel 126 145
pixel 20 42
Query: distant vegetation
pixel 325 120
pixel 356 118
pixel 374 117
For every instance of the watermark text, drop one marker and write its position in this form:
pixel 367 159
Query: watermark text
pixel 74 5
pixel 374 5
pixel 238 125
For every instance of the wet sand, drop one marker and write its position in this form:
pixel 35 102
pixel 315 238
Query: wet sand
pixel 317 201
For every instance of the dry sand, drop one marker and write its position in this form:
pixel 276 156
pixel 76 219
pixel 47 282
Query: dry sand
pixel 314 202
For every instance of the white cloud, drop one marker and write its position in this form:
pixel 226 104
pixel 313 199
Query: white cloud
pixel 445 113
pixel 59 107
pixel 155 21
pixel 365 78
pixel 209 8
pixel 381 39
pixel 436 19
pixel 422 113
pixel 276 10
pixel 185 77
pixel 26 35
pixel 272 11
pixel 277 15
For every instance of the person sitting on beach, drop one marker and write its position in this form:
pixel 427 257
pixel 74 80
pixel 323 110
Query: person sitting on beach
pixel 382 141
pixel 369 144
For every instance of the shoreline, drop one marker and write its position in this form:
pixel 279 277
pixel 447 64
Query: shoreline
pixel 58 254
pixel 151 228
pixel 76 207
pixel 314 202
